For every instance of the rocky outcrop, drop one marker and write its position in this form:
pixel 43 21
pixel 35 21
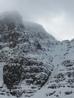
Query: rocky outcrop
pixel 62 82
pixel 17 70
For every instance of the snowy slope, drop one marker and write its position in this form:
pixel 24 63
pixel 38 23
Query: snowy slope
pixel 32 62
pixel 61 81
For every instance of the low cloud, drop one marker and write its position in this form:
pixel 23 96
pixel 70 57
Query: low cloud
pixel 57 16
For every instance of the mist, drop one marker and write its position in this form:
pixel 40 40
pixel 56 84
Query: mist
pixel 56 16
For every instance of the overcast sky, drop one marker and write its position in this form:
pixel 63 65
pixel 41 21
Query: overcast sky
pixel 56 16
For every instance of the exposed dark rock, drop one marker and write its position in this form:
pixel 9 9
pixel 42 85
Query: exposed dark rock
pixel 68 92
pixel 53 86
pixel 20 69
pixel 68 63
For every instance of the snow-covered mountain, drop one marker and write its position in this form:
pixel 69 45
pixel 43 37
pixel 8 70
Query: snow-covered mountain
pixel 33 63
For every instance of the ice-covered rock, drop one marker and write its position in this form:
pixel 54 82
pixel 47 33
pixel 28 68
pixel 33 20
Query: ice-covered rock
pixel 31 60
pixel 24 51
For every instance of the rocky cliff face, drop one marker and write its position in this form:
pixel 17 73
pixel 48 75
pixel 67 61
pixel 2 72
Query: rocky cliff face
pixel 23 49
pixel 31 60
